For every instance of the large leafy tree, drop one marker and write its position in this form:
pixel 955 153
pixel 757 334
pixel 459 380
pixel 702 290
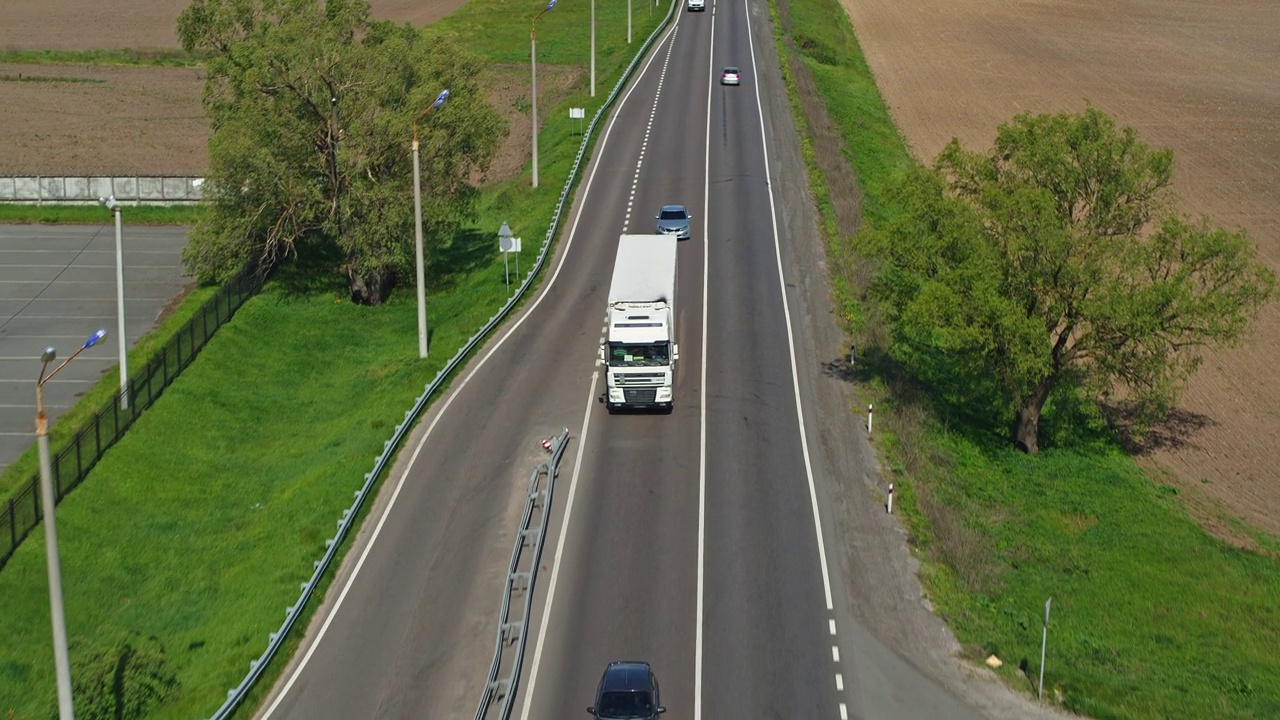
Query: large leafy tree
pixel 1057 261
pixel 312 105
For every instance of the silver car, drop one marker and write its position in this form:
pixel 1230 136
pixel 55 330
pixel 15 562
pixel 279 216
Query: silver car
pixel 674 220
pixel 730 76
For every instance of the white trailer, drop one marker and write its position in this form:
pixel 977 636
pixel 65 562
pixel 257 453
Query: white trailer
pixel 640 350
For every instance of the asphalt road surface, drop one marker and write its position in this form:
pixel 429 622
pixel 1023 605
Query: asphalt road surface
pixel 57 287
pixel 701 541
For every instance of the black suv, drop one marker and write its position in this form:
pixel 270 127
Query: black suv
pixel 628 691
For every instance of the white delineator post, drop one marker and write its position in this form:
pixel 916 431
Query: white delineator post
pixel 889 504
pixel 1044 641
pixel 870 407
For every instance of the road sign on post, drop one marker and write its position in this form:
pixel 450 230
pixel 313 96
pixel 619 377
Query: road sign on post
pixel 508 243
pixel 579 114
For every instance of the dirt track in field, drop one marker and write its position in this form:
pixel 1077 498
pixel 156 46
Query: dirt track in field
pixel 1200 77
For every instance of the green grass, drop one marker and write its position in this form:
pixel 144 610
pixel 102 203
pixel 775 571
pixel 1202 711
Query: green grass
pixel 198 527
pixel 1152 617
pixel 152 57
pixel 96 214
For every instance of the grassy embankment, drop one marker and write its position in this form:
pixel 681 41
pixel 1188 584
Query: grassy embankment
pixel 1151 617
pixel 98 215
pixel 198 527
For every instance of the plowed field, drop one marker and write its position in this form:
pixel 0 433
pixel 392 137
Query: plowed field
pixel 81 120
pixel 1202 78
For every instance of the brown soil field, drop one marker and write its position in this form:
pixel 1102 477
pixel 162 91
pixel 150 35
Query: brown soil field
pixel 1202 78
pixel 143 24
pixel 102 119
pixel 63 119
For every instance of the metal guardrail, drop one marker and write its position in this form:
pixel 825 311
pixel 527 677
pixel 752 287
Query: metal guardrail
pixel 511 633
pixel 276 639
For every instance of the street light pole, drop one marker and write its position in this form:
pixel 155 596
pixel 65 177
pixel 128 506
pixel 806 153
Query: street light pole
pixel 114 207
pixel 533 64
pixel 628 22
pixel 593 48
pixel 417 227
pixel 48 504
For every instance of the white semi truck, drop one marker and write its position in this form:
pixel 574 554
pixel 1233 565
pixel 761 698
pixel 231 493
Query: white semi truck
pixel 640 351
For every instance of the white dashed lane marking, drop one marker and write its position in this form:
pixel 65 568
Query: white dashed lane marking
pixel 648 130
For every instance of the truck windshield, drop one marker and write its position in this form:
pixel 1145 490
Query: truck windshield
pixel 621 355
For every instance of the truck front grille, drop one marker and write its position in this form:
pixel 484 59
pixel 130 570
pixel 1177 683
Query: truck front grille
pixel 640 394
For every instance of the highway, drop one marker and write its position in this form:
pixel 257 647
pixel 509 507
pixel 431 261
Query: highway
pixel 701 541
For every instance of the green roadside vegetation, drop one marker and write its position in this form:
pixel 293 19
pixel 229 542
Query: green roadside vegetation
pixel 97 215
pixel 190 537
pixel 153 57
pixel 1151 616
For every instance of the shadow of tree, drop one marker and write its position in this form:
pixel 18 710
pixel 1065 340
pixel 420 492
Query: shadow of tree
pixel 316 268
pixel 1141 437
pixel 840 369
pixel 469 249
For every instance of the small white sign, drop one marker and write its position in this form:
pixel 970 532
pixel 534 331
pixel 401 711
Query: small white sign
pixel 507 241
pixel 577 113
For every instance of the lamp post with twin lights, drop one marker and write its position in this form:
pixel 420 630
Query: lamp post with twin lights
pixel 533 64
pixel 48 504
pixel 417 227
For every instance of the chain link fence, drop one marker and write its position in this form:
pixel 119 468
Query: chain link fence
pixel 72 462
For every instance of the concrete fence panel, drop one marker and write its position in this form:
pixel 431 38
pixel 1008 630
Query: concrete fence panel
pixel 79 190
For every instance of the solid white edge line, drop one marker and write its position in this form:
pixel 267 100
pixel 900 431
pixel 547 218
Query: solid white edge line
pixel 573 483
pixel 702 400
pixel 786 310
pixel 337 605
pixel 555 563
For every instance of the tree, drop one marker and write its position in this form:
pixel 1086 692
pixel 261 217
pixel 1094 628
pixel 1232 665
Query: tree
pixel 312 105
pixel 1056 261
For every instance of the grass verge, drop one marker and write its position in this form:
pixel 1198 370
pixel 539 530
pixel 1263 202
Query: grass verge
pixel 198 526
pixel 1152 617
pixel 154 57
pixel 96 214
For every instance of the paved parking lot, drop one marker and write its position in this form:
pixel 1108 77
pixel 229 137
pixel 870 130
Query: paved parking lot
pixel 57 286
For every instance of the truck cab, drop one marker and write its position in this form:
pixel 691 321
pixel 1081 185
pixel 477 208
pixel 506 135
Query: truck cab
pixel 640 358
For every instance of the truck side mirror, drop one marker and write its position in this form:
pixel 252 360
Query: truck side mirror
pixel 601 354
pixel 675 352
